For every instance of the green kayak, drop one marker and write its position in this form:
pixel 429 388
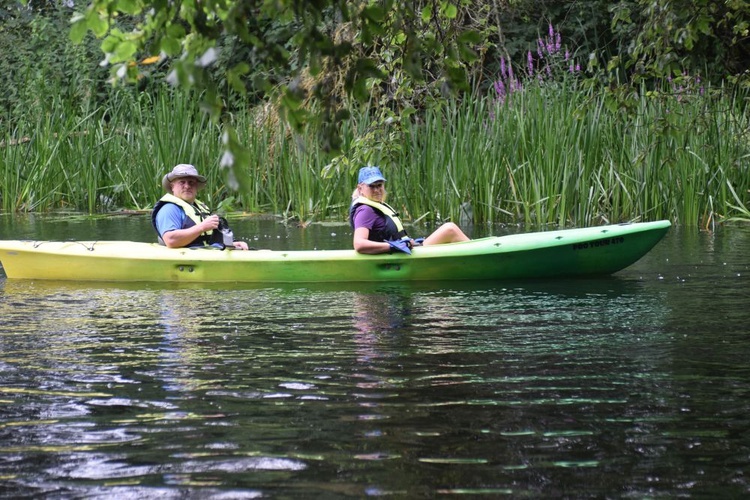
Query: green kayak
pixel 550 254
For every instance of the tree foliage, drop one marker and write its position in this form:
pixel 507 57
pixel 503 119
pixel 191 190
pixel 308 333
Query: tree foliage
pixel 37 59
pixel 294 51
pixel 316 59
pixel 661 39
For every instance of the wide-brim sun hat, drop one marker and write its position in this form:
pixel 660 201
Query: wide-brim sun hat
pixel 368 175
pixel 180 171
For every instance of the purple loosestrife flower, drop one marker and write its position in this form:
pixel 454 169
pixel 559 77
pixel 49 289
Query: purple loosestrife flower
pixel 552 43
pixel 530 60
pixel 550 39
pixel 500 90
pixel 539 66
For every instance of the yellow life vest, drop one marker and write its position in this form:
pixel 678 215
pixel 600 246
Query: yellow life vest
pixel 196 213
pixel 394 227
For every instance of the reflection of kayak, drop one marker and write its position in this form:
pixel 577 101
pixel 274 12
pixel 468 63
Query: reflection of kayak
pixel 550 254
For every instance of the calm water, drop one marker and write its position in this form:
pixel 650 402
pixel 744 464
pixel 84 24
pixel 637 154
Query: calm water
pixel 632 386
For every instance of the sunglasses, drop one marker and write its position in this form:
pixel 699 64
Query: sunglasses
pixel 376 185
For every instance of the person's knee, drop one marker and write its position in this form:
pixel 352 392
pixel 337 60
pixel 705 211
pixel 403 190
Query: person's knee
pixel 451 228
pixel 454 232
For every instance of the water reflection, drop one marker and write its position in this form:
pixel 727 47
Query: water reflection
pixel 572 388
pixel 453 352
pixel 137 361
pixel 379 318
pixel 186 351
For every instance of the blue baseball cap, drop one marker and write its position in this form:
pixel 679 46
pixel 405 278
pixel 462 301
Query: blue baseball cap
pixel 368 175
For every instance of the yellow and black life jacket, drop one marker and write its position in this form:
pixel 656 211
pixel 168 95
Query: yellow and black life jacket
pixel 394 228
pixel 196 213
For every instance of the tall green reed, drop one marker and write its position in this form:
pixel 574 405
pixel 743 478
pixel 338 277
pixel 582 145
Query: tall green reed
pixel 32 180
pixel 548 155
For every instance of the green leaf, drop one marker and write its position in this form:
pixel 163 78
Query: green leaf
pixel 704 24
pixel 111 41
pixel 407 112
pixel 374 13
pixel 468 55
pixel 235 162
pixel 448 10
pixel 128 6
pixel 291 100
pixel 465 42
pixel 234 77
pixel 457 77
pixel 471 37
pixel 97 24
pixel 176 31
pixel 125 51
pixel 171 46
pixel 78 28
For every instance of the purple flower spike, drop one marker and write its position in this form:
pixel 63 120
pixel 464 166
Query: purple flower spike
pixel 502 94
pixel 531 63
pixel 500 88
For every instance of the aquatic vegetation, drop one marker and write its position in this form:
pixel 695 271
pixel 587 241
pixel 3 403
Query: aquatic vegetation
pixel 553 154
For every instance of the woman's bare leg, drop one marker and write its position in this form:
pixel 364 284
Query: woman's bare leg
pixel 447 233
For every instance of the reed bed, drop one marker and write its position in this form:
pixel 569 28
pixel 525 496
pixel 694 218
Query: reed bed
pixel 546 156
pixel 560 157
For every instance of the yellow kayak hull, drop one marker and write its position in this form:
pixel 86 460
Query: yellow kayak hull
pixel 550 254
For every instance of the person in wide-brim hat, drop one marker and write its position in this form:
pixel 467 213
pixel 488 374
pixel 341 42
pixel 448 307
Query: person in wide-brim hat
pixel 180 171
pixel 181 220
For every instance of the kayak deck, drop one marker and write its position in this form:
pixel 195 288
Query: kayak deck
pixel 550 254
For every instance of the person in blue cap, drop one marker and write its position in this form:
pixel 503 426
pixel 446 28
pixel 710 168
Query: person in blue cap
pixel 377 227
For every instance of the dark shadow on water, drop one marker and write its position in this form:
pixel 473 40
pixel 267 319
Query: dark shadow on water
pixel 606 286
